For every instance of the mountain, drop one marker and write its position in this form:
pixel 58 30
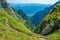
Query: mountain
pixel 40 15
pixel 19 14
pixel 30 7
pixel 50 25
pixel 12 27
pixel 37 18
pixel 25 20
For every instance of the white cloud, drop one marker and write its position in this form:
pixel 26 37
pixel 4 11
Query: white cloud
pixel 33 1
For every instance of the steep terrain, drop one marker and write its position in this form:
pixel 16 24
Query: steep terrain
pixel 40 15
pixel 11 27
pixel 25 20
pixel 19 15
pixel 37 18
pixel 50 25
pixel 15 25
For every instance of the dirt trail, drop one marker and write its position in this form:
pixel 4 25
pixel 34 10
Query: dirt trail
pixel 43 39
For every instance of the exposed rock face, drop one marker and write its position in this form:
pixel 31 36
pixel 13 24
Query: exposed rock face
pixel 47 30
pixel 57 23
pixel 4 4
pixel 51 22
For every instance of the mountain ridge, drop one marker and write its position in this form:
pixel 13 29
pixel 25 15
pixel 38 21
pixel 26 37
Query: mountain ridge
pixel 11 27
pixel 30 7
pixel 50 25
pixel 42 14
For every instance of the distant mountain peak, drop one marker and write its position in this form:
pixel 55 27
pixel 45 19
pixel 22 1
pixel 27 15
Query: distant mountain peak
pixel 57 3
pixel 42 13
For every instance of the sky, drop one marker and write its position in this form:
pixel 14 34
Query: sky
pixel 33 1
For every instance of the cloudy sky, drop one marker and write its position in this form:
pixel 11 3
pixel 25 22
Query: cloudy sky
pixel 32 1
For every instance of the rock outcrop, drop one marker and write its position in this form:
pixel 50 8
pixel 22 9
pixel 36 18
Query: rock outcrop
pixel 3 4
pixel 51 22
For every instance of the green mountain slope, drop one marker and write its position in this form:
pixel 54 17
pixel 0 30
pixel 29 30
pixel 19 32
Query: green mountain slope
pixel 16 26
pixel 50 25
pixel 11 27
pixel 23 17
pixel 18 14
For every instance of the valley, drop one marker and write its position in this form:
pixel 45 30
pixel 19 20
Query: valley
pixel 16 25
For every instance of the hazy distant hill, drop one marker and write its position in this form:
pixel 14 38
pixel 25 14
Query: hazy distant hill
pixel 38 16
pixel 29 9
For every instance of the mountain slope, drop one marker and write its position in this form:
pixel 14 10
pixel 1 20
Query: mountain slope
pixel 36 19
pixel 20 15
pixel 40 15
pixel 50 25
pixel 11 28
pixel 25 20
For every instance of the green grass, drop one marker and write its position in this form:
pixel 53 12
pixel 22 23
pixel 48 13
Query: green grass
pixel 55 35
pixel 13 29
pixel 7 33
pixel 55 14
